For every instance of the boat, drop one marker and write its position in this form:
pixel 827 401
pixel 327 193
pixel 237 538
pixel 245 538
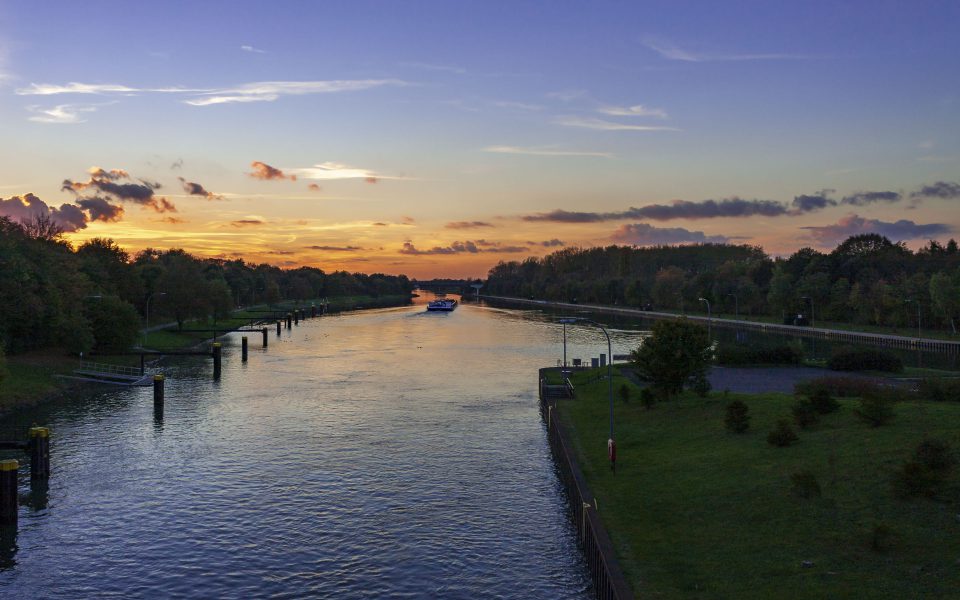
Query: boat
pixel 443 304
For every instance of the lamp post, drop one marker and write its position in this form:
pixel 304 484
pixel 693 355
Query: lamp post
pixel 147 313
pixel 611 445
pixel 565 321
pixel 813 322
pixel 709 318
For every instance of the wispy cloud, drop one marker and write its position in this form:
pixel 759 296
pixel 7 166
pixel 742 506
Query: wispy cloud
pixel 644 234
pixel 467 224
pixel 678 209
pixel 262 170
pixel 637 110
pixel 335 170
pixel 335 248
pixel 467 247
pixel 62 114
pixel 262 91
pixel 602 125
pixel 671 51
pixel 830 235
pixel 253 50
pixel 544 151
pixel 941 189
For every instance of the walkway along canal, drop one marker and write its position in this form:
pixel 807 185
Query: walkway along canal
pixel 384 453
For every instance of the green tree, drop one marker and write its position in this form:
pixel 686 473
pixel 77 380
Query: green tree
pixel 114 322
pixel 676 353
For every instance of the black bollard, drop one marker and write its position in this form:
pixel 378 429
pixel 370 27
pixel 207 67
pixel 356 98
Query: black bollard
pixel 296 317
pixel 216 360
pixel 8 492
pixel 289 321
pixel 158 392
pixel 278 328
pixel 39 448
pixel 243 348
pixel 265 342
pixel 313 310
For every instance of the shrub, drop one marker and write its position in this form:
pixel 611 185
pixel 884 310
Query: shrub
pixel 738 417
pixel 805 484
pixel 647 398
pixel 738 354
pixel 875 409
pixel 864 359
pixel 841 387
pixel 935 455
pixel 940 390
pixel 625 393
pixel 782 435
pixel 673 355
pixel 914 479
pixel 823 402
pixel 804 414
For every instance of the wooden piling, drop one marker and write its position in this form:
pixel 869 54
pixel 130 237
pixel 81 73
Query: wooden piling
pixel 39 447
pixel 265 342
pixel 289 321
pixel 158 393
pixel 217 352
pixel 8 492
pixel 243 348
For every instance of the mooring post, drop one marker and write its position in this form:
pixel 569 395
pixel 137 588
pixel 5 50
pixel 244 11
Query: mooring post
pixel 265 342
pixel 278 328
pixel 296 317
pixel 39 448
pixel 313 310
pixel 289 321
pixel 243 348
pixel 216 360
pixel 8 492
pixel 158 380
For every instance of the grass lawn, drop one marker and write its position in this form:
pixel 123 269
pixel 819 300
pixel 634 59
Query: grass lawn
pixel 697 512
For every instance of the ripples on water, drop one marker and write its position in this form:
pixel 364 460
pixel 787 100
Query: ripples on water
pixel 387 453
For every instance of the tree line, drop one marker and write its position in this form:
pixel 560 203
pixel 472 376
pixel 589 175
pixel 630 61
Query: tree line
pixel 97 296
pixel 867 279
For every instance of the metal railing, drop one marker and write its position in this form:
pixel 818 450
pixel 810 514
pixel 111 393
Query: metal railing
pixel 108 369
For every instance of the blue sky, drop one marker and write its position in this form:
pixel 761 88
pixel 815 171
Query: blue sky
pixel 442 124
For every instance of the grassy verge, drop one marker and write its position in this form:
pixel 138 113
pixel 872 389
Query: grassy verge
pixel 697 512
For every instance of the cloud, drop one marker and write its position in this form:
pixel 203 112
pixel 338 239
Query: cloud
pixel 865 198
pixel 408 220
pixel 678 209
pixel 195 189
pixel 335 248
pixel 313 187
pixel 246 222
pixel 672 52
pixel 637 110
pixel 543 151
pixel 550 243
pixel 172 220
pixel 260 91
pixel 142 192
pixel 465 247
pixel 100 209
pixel 467 224
pixel 333 170
pixel 808 203
pixel 246 48
pixel 28 206
pixel 830 235
pixel 602 125
pixel 644 234
pixel 61 114
pixel 266 172
pixel 940 189
pixel 177 164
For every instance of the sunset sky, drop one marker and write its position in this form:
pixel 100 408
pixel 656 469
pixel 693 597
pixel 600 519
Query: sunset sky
pixel 438 138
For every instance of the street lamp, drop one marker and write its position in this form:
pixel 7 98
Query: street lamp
pixel 709 318
pixel 611 445
pixel 565 321
pixel 813 322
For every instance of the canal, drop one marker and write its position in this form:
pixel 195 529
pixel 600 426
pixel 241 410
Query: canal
pixel 388 453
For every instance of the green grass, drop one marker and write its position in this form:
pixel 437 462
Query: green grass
pixel 697 512
pixel 30 377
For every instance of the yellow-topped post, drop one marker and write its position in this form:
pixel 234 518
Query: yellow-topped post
pixel 8 492
pixel 39 447
pixel 243 348
pixel 217 353
pixel 158 382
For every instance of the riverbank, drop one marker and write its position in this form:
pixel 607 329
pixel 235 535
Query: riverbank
pixel 697 512
pixel 33 377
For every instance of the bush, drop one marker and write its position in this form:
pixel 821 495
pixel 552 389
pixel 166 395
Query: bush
pixel 841 387
pixel 674 354
pixel 782 435
pixel 804 414
pixel 738 354
pixel 805 484
pixel 823 402
pixel 935 455
pixel 647 398
pixel 738 417
pixel 940 390
pixel 701 385
pixel 864 359
pixel 875 409
pixel 914 479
